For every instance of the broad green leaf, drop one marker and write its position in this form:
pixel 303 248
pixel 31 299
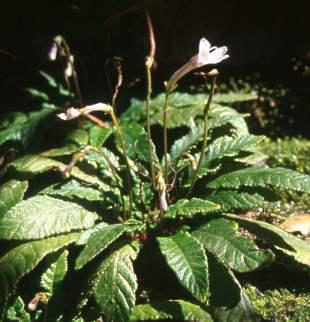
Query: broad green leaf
pixel 233 97
pixel 23 259
pixel 187 259
pixel 281 240
pixel 78 136
pixel 263 177
pixel 34 164
pixel 116 284
pixel 221 238
pixel 98 135
pixel 188 208
pixel 73 189
pixel 11 193
pixel 17 312
pixel 169 310
pixel 87 233
pixel 99 240
pixel 54 275
pixel 43 216
pixel 226 146
pixel 22 127
pixel 236 200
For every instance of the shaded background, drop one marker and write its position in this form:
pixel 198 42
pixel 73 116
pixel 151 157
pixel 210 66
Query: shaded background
pixel 266 37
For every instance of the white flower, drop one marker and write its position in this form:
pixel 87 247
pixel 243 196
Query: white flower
pixel 207 55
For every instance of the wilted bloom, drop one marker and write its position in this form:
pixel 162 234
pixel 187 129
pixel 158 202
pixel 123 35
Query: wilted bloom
pixel 52 54
pixel 206 55
pixel 72 112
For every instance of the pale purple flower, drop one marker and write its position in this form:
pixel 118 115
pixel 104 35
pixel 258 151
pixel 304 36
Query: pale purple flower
pixel 207 55
pixel 72 112
pixel 52 54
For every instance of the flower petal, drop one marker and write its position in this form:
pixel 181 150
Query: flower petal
pixel 204 48
pixel 217 55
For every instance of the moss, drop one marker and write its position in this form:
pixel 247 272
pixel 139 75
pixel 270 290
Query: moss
pixel 280 305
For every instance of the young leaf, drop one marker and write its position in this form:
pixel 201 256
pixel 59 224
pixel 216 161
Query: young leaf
pixel 116 284
pixel 283 241
pixel 98 135
pixel 43 216
pixel 188 208
pixel 186 257
pixel 98 241
pixel 221 238
pixel 17 312
pixel 263 177
pixel 11 193
pixel 231 199
pixel 73 189
pixel 226 146
pixel 24 258
pixel 169 310
pixel 54 275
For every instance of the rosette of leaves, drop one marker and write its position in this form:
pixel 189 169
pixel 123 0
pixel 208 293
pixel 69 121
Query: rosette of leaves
pixel 68 229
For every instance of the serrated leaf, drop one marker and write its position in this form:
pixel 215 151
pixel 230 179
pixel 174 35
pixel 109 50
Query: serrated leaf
pixel 54 275
pixel 21 128
pixel 283 241
pixel 43 216
pixel 73 189
pixel 17 311
pixel 187 259
pixel 231 199
pixel 11 193
pixel 98 135
pixel 87 233
pixel 226 146
pixel 24 258
pixel 169 310
pixel 68 149
pixel 116 284
pixel 263 177
pixel 34 164
pixel 221 238
pixel 188 208
pixel 233 97
pixel 99 240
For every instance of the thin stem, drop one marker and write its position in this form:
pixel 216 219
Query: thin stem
pixel 205 134
pixel 148 66
pixel 165 135
pixel 96 120
pixel 119 131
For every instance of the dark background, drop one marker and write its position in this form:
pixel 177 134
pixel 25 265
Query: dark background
pixel 262 36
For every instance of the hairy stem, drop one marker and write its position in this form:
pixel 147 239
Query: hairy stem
pixel 205 134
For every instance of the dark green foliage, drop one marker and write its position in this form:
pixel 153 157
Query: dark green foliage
pixel 77 216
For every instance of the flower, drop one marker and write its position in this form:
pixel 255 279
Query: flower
pixel 72 112
pixel 206 55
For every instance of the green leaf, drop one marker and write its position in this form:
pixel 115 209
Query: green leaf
pixel 11 193
pixel 229 200
pixel 21 128
pixel 78 136
pixel 98 135
pixel 17 312
pixel 186 257
pixel 184 144
pixel 99 240
pixel 73 189
pixel 221 238
pixel 169 310
pixel 50 80
pixel 188 208
pixel 263 177
pixel 65 150
pixel 87 233
pixel 23 259
pixel 226 146
pixel 116 284
pixel 233 97
pixel 54 275
pixel 34 164
pixel 281 240
pixel 43 216
pixel 37 94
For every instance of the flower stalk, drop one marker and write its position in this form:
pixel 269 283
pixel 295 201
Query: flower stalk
pixel 213 74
